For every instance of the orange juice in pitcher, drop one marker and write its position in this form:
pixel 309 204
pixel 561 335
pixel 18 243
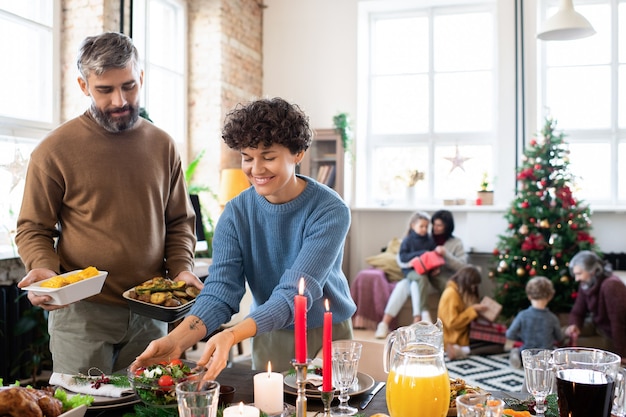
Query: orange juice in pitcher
pixel 418 382
pixel 418 395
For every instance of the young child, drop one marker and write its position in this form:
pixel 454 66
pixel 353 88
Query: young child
pixel 458 307
pixel 416 242
pixel 536 327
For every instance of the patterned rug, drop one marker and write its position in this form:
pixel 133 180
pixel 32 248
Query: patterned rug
pixel 489 372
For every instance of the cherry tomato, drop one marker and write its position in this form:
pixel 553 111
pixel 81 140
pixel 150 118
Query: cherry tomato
pixel 176 362
pixel 166 381
pixel 139 371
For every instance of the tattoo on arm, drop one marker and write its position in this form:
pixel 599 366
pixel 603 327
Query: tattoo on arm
pixel 195 324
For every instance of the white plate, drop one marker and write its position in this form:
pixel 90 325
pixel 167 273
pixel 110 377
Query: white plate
pixel 107 403
pixel 74 412
pixel 364 383
pixel 70 293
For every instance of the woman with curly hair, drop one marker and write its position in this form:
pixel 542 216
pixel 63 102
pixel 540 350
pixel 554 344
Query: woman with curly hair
pixel 283 228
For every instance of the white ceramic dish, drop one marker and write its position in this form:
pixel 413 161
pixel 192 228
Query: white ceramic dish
pixel 70 293
pixel 75 412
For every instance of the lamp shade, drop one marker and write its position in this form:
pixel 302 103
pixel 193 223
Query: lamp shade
pixel 232 182
pixel 566 24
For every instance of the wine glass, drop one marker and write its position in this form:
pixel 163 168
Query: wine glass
pixel 346 355
pixel 539 372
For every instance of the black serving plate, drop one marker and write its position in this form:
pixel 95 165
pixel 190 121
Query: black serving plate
pixel 157 312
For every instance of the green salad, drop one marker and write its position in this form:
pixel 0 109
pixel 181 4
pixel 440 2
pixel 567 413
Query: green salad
pixel 155 384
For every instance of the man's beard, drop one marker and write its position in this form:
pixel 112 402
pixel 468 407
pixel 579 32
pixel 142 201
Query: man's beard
pixel 115 124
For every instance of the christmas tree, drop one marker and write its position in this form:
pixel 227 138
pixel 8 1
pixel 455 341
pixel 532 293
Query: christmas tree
pixel 547 227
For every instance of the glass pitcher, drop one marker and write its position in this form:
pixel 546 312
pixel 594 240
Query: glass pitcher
pixel 413 358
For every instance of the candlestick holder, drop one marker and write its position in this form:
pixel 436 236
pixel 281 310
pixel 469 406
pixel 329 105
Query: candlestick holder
pixel 327 398
pixel 301 373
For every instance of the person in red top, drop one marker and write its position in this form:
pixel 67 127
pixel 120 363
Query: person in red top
pixel 601 294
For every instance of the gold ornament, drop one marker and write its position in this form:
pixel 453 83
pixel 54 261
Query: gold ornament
pixel 545 224
pixel 520 272
pixel 565 279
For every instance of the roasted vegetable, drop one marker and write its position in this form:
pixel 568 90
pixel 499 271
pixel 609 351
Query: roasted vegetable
pixel 163 291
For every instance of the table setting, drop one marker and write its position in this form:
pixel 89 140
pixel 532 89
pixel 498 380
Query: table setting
pixel 565 382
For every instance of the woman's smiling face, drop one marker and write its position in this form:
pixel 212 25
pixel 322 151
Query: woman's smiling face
pixel 271 171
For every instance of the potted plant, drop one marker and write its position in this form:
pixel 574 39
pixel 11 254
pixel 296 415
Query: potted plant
pixel 32 327
pixel 485 195
pixel 192 188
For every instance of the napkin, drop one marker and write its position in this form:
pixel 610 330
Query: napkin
pixel 70 383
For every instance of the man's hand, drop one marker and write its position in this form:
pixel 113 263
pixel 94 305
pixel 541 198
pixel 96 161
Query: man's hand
pixel 36 275
pixel 190 279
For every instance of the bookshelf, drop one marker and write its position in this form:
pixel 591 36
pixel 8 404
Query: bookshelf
pixel 324 161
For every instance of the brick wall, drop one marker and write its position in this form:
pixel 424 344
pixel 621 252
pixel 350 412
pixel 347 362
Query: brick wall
pixel 225 67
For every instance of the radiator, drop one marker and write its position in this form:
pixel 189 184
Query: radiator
pixel 13 349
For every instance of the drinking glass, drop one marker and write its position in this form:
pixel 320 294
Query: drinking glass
pixel 585 381
pixel 197 398
pixel 539 373
pixel 346 355
pixel 478 405
pixel 619 400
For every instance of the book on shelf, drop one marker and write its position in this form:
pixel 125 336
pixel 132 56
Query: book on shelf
pixel 330 179
pixel 322 173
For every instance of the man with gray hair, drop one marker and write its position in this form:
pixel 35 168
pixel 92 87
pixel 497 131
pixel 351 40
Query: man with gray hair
pixel 105 189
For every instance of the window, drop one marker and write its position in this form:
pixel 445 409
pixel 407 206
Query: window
pixel 430 83
pixel 159 34
pixel 27 109
pixel 582 84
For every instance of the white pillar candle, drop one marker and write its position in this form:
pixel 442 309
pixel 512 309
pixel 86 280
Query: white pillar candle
pixel 268 391
pixel 241 411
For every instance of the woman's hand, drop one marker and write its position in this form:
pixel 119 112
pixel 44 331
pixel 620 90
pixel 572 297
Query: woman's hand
pixel 163 349
pixel 36 275
pixel 215 355
pixel 441 250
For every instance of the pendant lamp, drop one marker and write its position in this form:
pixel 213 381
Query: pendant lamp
pixel 566 24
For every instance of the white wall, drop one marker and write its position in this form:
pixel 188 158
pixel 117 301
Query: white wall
pixel 309 49
pixel 309 56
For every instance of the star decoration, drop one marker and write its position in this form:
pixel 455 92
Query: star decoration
pixel 457 160
pixel 17 168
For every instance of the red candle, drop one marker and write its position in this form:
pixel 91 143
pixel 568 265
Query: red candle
pixel 327 353
pixel 300 324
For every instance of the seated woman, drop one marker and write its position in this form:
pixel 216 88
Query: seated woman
pixel 453 252
pixel 458 307
pixel 601 294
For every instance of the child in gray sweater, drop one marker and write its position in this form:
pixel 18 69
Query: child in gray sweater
pixel 536 327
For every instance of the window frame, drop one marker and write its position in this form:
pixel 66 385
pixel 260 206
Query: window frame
pixel 612 135
pixel 141 27
pixel 503 181
pixel 24 133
